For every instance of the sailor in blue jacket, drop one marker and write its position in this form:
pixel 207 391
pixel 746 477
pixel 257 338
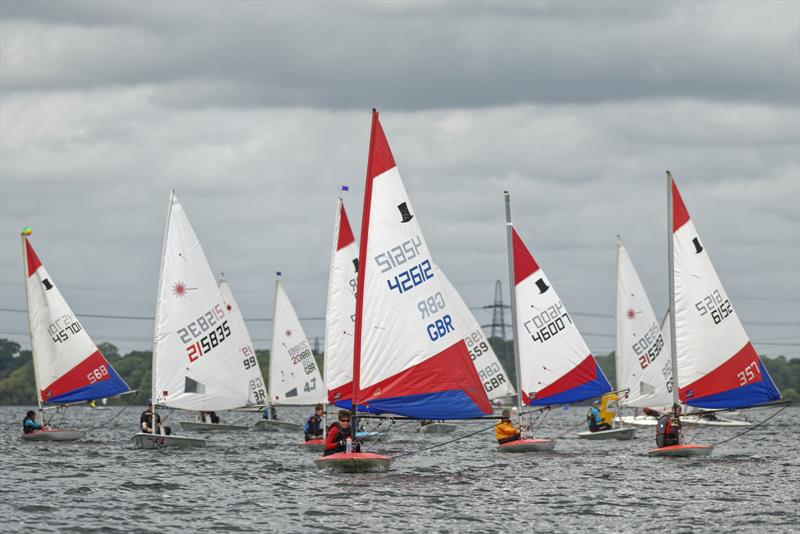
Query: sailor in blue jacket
pixel 29 424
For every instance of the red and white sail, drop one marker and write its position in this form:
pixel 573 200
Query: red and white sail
pixel 68 365
pixel 496 381
pixel 293 373
pixel 556 366
pixel 642 353
pixel 255 380
pixel 409 356
pixel 340 315
pixel 717 365
pixel 198 363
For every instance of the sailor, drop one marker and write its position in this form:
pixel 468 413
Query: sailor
pixel 209 417
pixel 146 420
pixel 505 431
pixel 271 412
pixel 668 434
pixel 313 426
pixel 29 424
pixel 594 420
pixel 338 434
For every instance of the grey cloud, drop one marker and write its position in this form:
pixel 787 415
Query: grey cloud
pixel 405 56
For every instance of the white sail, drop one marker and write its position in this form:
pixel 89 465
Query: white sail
pixel 340 312
pixel 293 374
pixel 495 379
pixel 718 367
pixel 197 361
pixel 255 380
pixel 642 352
pixel 68 366
pixel 555 365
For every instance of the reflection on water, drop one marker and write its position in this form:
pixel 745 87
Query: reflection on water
pixel 262 481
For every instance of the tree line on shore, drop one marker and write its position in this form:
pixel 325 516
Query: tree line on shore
pixel 17 381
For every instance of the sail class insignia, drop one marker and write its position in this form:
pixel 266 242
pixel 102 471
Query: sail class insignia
pixel 405 213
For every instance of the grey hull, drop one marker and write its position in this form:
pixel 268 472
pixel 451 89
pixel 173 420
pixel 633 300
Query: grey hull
pixel 271 425
pixel 206 427
pixel 438 428
pixel 616 433
pixel 54 435
pixel 158 441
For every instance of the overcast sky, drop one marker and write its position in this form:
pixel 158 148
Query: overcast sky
pixel 257 112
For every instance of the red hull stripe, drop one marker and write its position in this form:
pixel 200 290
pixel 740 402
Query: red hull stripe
pixel 345 233
pixel 33 259
pixel 680 215
pixel 727 376
pixel 380 155
pixel 524 264
pixel 451 369
pixel 78 376
pixel 584 372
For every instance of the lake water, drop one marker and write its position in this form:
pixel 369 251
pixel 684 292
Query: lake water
pixel 254 481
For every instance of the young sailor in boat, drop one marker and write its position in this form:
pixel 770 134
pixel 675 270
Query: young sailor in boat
pixel 598 419
pixel 505 431
pixel 668 434
pixel 339 434
pixel 29 424
pixel 313 426
pixel 146 420
pixel 209 417
pixel 270 412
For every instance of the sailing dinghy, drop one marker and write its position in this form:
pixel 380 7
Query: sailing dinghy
pixel 714 363
pixel 408 358
pixel 68 368
pixel 294 379
pixel 252 379
pixel 554 365
pixel 198 364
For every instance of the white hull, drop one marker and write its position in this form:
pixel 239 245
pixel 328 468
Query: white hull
pixel 370 436
pixel 687 420
pixel 204 427
pixel 616 433
pixel 54 435
pixel 158 441
pixel 438 428
pixel 271 425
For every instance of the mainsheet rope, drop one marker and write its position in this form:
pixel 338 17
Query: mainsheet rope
pixel 133 399
pixel 396 456
pixel 752 427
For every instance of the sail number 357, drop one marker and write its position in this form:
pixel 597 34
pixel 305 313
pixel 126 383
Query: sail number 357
pixel 749 374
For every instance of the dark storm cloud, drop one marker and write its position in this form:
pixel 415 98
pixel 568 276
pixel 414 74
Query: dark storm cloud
pixel 405 56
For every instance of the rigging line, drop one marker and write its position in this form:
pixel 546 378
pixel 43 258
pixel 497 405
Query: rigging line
pixel 754 426
pixel 130 403
pixel 396 456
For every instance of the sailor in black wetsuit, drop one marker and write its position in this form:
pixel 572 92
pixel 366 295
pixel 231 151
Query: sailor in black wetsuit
pixel 313 426
pixel 147 419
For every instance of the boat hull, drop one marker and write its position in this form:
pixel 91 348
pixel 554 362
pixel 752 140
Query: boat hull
pixel 528 445
pixel 144 440
pixel 615 433
pixel 682 450
pixel 271 425
pixel 370 436
pixel 687 420
pixel 438 428
pixel 316 445
pixel 54 434
pixel 206 427
pixel 355 462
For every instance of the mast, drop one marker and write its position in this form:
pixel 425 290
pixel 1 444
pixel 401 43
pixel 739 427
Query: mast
pixel 336 230
pixel 512 286
pixel 671 274
pixel 272 350
pixel 616 336
pixel 158 311
pixel 30 327
pixel 362 261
